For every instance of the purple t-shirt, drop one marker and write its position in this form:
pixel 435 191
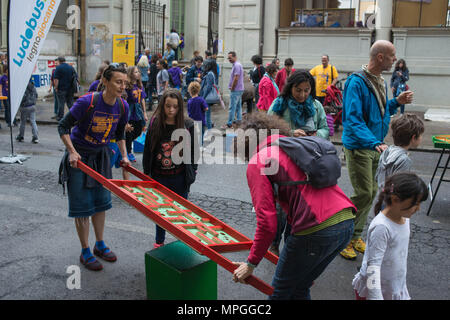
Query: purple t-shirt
pixel 94 86
pixel 5 85
pixel 196 109
pixel 175 72
pixel 135 95
pixel 237 70
pixel 101 127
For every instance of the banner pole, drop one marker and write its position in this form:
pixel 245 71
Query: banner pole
pixel 9 77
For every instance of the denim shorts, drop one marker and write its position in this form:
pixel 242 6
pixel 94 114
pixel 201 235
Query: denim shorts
pixel 84 202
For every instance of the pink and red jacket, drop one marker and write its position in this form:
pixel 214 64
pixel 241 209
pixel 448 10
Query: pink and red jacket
pixel 304 205
pixel 267 93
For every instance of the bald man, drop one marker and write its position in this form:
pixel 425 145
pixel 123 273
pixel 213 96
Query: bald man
pixel 366 117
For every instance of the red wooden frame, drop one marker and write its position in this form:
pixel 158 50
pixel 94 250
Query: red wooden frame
pixel 212 251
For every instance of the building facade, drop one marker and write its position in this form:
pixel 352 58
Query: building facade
pixel 345 30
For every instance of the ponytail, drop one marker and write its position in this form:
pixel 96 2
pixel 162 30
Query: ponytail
pixel 405 186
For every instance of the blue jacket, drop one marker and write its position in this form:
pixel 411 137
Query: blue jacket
pixel 207 84
pixel 364 127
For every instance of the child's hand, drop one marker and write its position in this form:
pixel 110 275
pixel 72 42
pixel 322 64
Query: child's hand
pixel 129 128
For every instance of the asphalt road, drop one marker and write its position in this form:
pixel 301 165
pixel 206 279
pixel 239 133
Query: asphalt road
pixel 38 241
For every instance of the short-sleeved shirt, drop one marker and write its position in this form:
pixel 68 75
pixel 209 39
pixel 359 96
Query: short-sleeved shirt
pixel 163 76
pixel 5 85
pixel 175 72
pixel 94 86
pixel 100 127
pixel 324 78
pixel 196 109
pixel 64 74
pixel 135 95
pixel 237 70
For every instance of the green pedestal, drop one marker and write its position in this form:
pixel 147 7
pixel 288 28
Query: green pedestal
pixel 176 272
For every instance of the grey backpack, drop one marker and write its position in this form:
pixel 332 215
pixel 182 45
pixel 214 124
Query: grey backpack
pixel 316 157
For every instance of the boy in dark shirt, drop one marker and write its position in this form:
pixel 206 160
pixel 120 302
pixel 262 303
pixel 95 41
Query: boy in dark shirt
pixel 197 106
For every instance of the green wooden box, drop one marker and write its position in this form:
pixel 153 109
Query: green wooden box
pixel 177 272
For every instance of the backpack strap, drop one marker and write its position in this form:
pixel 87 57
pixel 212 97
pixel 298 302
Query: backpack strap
pixel 90 110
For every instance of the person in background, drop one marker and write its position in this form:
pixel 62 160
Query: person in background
pixel 28 111
pixel 63 86
pixel 174 41
pixel 215 67
pixel 162 79
pixel 195 72
pixel 207 86
pixel 177 75
pixel 181 46
pixel 4 89
pixel 248 97
pixel 97 84
pixel 298 106
pixel 257 74
pixel 325 75
pixel 268 89
pixel 144 68
pixel 216 45
pixel 236 87
pixel 276 62
pixel 398 81
pixel 137 116
pixel 285 73
pixel 52 87
pixel 152 83
pixel 197 106
pixel 169 55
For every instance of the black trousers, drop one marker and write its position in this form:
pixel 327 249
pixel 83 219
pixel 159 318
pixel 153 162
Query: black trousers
pixel 133 135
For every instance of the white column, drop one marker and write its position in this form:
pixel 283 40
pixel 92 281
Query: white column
pixel 309 4
pixel 270 23
pixel 127 16
pixel 383 24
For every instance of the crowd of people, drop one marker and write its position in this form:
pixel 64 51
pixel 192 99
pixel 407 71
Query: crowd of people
pixel 319 223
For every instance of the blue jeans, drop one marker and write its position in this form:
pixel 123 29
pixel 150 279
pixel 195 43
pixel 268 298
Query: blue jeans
pixel 178 185
pixel 63 98
pixel 304 258
pixel 208 117
pixel 235 108
pixel 282 226
pixel 55 105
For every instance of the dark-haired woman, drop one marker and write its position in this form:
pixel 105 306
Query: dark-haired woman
pixel 96 84
pixel 257 74
pixel 298 107
pixel 151 85
pixel 86 131
pixel 208 82
pixel 268 89
pixel 158 160
pixel 398 80
pixel 320 220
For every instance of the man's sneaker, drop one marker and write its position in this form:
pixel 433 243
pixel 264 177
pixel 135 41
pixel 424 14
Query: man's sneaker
pixel 359 245
pixel 35 140
pixel 131 157
pixel 349 253
pixel 19 138
pixel 158 245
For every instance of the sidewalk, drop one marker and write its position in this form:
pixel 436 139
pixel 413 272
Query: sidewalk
pixel 219 116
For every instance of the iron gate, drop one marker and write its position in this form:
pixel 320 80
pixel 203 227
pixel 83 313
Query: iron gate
pixel 213 22
pixel 149 24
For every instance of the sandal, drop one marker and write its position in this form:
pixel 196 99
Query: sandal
pixel 91 263
pixel 106 254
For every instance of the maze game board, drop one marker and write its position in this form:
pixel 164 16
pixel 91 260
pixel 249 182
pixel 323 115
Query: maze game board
pixel 195 227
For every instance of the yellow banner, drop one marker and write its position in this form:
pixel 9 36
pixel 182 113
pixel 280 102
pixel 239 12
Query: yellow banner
pixel 124 46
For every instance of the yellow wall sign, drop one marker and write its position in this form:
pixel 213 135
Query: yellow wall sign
pixel 124 47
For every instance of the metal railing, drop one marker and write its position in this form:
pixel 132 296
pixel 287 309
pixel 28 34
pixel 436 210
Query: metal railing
pixel 149 24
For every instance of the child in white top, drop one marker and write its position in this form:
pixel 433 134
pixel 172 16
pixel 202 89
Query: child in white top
pixel 383 271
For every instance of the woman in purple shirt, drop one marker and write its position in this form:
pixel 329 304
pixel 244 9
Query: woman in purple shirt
pixel 96 119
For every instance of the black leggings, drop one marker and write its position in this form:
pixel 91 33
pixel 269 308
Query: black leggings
pixel 133 135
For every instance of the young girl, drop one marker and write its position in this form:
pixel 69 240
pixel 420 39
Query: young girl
pixel 383 271
pixel 137 117
pixel 197 106
pixel 157 159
